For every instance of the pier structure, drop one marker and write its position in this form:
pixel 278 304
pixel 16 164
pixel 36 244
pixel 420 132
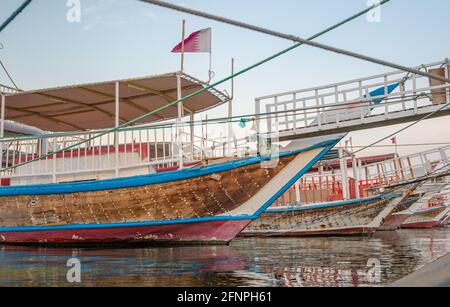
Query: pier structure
pixel 370 102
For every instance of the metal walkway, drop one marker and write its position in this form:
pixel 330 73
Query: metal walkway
pixel 376 101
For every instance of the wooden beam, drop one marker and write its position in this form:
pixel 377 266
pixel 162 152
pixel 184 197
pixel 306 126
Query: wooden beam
pixel 126 100
pixel 160 94
pixel 188 87
pixel 79 103
pixel 46 117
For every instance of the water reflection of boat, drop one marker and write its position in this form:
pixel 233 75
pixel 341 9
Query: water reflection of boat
pixel 301 262
pixel 183 266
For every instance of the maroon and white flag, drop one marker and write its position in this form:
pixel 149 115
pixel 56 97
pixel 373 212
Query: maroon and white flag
pixel 199 41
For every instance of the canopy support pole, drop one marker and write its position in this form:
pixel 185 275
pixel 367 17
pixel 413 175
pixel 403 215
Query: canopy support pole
pixel 2 127
pixel 117 124
pixel 192 118
pixel 230 110
pixel 179 120
pixel 356 174
pixel 2 124
pixel 343 162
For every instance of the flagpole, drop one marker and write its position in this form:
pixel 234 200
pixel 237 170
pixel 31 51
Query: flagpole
pixel 183 34
pixel 210 76
pixel 180 95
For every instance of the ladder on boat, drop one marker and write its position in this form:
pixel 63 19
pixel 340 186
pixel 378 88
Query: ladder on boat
pixel 375 101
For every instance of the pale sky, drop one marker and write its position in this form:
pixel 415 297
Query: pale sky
pixel 126 38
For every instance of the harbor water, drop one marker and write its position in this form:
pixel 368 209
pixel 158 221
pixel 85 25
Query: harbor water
pixel 378 260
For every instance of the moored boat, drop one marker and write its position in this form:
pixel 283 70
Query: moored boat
pixel 141 184
pixel 431 214
pixel 353 217
pixel 400 213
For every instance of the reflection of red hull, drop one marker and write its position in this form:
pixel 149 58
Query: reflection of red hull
pixel 189 233
pixel 427 224
pixel 356 231
pixel 394 222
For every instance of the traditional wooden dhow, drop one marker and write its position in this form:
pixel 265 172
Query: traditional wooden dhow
pixel 210 204
pixel 353 217
pixel 140 182
pixel 432 213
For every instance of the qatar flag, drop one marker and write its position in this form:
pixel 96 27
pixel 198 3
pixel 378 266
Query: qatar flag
pixel 394 140
pixel 199 41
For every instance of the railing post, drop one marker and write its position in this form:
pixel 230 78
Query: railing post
pixel 447 75
pixel 2 127
pixel 192 128
pixel 343 166
pixel 54 156
pixel 2 124
pixel 179 120
pixel 116 134
pixel 356 174
pixel 257 123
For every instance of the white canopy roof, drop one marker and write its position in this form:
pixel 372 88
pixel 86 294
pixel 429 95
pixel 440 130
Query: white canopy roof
pixel 92 106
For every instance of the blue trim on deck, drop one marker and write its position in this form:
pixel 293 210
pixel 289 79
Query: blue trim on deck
pixel 328 146
pixel 333 204
pixel 428 210
pixel 137 181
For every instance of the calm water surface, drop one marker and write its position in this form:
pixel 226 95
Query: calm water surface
pixel 247 262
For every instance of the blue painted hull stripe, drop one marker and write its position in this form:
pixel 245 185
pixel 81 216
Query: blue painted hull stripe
pixel 185 221
pixel 335 204
pixel 137 181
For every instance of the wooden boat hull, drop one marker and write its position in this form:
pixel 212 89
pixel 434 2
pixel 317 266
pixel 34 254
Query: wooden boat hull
pixel 400 214
pixel 214 232
pixel 210 204
pixel 425 218
pixel 357 217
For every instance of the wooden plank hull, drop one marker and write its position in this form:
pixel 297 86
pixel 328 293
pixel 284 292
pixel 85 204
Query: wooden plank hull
pixel 361 217
pixel 400 214
pixel 425 218
pixel 214 232
pixel 210 204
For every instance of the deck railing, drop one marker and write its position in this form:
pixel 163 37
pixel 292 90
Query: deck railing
pixel 353 102
pixel 407 168
pixel 130 151
pixel 5 89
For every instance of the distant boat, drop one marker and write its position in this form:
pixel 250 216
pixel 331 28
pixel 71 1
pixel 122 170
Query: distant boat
pixel 432 213
pixel 353 217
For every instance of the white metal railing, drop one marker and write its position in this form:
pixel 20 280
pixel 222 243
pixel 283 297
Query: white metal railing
pixel 27 160
pixel 407 168
pixel 334 105
pixel 4 89
pixel 127 152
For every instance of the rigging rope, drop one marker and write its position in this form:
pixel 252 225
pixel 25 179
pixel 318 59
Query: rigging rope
pixel 297 39
pixel 174 103
pixel 14 15
pixel 9 75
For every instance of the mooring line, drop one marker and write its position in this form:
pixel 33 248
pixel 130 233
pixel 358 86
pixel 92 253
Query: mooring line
pixel 208 87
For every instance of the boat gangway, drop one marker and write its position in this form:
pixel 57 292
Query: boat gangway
pixel 380 100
